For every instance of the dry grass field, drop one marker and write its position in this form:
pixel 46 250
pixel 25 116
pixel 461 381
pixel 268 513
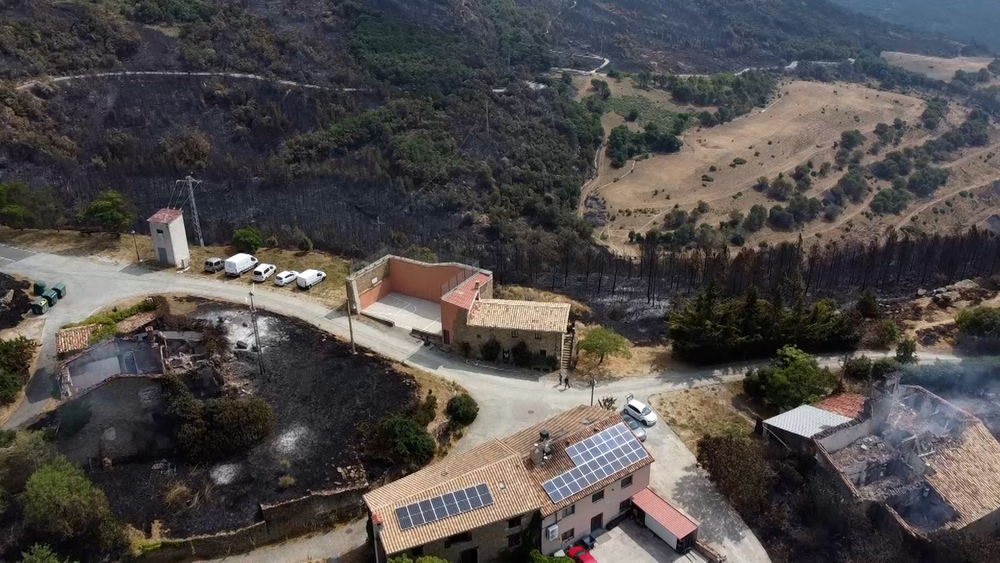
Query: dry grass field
pixel 715 409
pixel 936 67
pixel 801 125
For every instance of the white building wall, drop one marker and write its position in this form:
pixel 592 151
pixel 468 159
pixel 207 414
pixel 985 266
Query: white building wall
pixel 660 531
pixel 579 521
pixel 173 240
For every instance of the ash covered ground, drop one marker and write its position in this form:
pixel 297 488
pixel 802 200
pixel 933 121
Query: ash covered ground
pixel 320 394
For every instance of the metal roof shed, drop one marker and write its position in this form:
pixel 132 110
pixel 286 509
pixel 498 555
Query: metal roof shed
pixel 800 424
pixel 670 524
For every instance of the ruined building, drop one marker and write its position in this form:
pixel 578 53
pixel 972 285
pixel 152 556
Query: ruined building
pixel 931 465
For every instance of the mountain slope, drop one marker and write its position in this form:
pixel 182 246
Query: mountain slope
pixel 967 20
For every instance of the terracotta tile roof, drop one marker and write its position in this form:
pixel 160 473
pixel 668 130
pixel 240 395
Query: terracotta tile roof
pixel 492 463
pixel 847 404
pixel 136 322
pixel 165 215
pixel 519 315
pixel 675 521
pixel 73 339
pixel 465 293
pixel 505 466
pixel 565 429
pixel 967 474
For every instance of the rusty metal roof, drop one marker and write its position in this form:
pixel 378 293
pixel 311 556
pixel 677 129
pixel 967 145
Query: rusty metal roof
pixel 675 521
pixel 165 215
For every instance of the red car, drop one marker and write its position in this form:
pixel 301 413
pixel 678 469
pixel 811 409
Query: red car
pixel 580 554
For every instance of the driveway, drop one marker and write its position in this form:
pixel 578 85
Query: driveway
pixel 632 543
pixel 508 400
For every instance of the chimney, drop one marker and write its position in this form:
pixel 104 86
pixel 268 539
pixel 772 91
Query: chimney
pixel 543 435
pixel 536 455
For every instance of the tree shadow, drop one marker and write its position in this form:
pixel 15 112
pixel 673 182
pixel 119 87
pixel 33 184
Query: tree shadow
pixel 718 521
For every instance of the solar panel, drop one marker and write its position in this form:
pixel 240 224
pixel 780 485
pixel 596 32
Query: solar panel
pixel 442 506
pixel 596 458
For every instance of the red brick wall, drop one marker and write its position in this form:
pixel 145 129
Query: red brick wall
pixel 421 281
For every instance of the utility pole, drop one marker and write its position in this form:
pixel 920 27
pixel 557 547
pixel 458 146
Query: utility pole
pixel 191 184
pixel 256 333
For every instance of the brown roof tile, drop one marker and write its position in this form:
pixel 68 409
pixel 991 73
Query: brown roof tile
pixel 74 339
pixel 165 215
pixel 505 466
pixel 519 315
pixel 846 404
pixel 136 322
pixel 967 474
pixel 464 295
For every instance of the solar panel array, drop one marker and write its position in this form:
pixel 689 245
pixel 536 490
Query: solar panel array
pixel 596 458
pixel 443 506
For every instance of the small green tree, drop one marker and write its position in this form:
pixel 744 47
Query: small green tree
pixel 885 334
pixel 521 354
pixel 793 378
pixel 490 350
pixel 868 304
pixel 462 409
pixel 60 502
pixel 603 341
pixel 305 244
pixel 906 351
pixel 408 443
pixel 41 553
pixel 110 211
pixel 247 240
pixel 859 368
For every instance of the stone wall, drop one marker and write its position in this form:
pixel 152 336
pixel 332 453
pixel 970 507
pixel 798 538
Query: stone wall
pixel 313 512
pixel 550 342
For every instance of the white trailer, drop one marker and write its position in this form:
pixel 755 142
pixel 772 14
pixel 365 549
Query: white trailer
pixel 238 264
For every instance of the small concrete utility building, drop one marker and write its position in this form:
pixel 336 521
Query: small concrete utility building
pixel 166 227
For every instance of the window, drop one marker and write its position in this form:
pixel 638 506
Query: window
pixel 513 541
pixel 568 535
pixel 538 336
pixel 458 538
pixel 569 511
pixel 625 505
pixel 513 334
pixel 598 496
pixel 541 353
pixel 159 231
pixel 479 336
pixel 514 522
pixel 417 551
pixel 627 482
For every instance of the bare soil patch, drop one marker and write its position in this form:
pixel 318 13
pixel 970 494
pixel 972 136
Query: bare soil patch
pixel 715 409
pixel 938 68
pixel 800 126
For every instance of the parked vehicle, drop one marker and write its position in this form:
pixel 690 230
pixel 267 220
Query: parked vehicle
pixel 309 278
pixel 581 555
pixel 239 264
pixel 285 278
pixel 637 430
pixel 214 265
pixel 262 272
pixel 639 411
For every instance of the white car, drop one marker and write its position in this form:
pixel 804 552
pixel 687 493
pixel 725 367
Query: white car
pixel 639 411
pixel 285 278
pixel 262 272
pixel 309 278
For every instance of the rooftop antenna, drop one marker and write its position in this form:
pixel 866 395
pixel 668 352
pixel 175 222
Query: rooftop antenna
pixel 191 183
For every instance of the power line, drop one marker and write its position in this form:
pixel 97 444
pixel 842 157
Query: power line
pixel 191 183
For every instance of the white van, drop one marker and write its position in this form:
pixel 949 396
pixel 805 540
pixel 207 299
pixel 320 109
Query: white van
pixel 310 278
pixel 262 272
pixel 238 264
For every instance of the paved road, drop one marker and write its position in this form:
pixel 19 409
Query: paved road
pixel 508 400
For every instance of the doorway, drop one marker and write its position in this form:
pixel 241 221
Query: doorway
pixel 161 253
pixel 469 556
pixel 597 522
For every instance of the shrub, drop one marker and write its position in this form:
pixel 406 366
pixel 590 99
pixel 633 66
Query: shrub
pixel 41 553
pixel 906 351
pixel 868 304
pixel 271 242
pixel 462 409
pixel 465 348
pixel 247 240
pixel 885 334
pixel 490 350
pixel 60 502
pixel 883 367
pixel 305 244
pixel 10 387
pixel 521 354
pixel 793 378
pixel 286 481
pixel 426 410
pixel 859 368
pixel 979 321
pixel 21 458
pixel 408 443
